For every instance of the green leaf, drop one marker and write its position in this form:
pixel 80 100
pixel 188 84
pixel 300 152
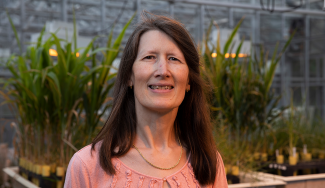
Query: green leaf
pixel 39 40
pixel 237 52
pixel 232 35
pixel 15 31
pixel 74 31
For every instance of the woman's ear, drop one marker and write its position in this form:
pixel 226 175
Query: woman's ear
pixel 130 84
pixel 188 87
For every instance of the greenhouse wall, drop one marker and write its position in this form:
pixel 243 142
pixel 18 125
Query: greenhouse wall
pixel 267 102
pixel 301 70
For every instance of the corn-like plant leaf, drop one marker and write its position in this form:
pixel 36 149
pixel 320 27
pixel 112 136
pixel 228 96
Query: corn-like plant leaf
pixel 237 52
pixel 232 35
pixel 15 31
pixel 269 73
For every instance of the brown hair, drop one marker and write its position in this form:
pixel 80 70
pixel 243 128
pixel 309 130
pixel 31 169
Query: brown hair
pixel 192 123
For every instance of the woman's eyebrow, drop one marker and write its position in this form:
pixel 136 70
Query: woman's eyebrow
pixel 153 51
pixel 173 54
pixel 147 52
pixel 178 55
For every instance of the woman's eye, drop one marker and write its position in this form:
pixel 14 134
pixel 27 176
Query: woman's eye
pixel 149 57
pixel 173 59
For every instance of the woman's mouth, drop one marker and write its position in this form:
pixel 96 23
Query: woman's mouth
pixel 160 87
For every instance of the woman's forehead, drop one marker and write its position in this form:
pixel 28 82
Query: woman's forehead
pixel 154 41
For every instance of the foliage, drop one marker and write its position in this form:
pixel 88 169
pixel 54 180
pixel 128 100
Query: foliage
pixel 241 96
pixel 295 129
pixel 59 100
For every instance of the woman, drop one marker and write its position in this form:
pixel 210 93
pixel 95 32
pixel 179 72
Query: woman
pixel 158 133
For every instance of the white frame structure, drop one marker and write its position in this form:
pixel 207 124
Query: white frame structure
pixel 97 16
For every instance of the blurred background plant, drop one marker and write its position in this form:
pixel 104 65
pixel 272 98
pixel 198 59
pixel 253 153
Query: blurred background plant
pixel 244 107
pixel 294 129
pixel 59 101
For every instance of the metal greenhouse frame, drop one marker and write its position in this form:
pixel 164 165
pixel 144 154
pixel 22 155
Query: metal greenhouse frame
pixel 302 68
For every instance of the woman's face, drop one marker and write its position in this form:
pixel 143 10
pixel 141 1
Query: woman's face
pixel 159 73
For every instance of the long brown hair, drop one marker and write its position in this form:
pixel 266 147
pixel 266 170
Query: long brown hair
pixel 192 123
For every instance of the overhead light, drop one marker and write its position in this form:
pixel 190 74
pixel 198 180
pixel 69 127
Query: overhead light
pixel 227 55
pixel 242 55
pixel 53 52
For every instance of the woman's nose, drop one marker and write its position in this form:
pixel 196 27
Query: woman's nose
pixel 162 68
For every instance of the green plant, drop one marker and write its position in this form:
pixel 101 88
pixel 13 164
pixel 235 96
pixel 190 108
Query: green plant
pixel 315 138
pixel 52 94
pixel 295 129
pixel 97 93
pixel 241 96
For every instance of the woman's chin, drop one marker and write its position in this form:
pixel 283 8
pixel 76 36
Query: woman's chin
pixel 162 108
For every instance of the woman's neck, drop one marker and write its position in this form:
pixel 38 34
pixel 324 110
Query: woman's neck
pixel 155 130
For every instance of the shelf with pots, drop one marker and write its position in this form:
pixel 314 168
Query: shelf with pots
pixel 304 172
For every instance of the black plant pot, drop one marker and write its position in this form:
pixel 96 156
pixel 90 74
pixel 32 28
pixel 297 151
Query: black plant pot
pixel 316 166
pixel 47 182
pixel 232 179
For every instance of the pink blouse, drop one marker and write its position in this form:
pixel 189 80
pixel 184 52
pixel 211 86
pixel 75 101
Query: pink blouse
pixel 84 170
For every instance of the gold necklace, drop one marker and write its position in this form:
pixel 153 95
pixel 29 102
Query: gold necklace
pixel 158 166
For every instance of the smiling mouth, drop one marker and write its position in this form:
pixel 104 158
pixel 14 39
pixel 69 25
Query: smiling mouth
pixel 161 87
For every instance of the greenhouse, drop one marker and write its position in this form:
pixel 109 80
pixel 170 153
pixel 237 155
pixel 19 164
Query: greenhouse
pixel 262 66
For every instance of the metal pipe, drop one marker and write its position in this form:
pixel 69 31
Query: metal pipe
pixel 284 89
pixel 64 10
pixel 231 18
pixel 103 14
pixel 307 34
pixel 88 3
pixel 201 23
pixel 253 29
pixel 22 23
pixel 258 28
pixel 323 87
pixel 323 83
pixel 138 6
pixel 171 8
pixel 251 7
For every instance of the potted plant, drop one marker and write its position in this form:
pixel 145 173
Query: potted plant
pixel 243 106
pixel 59 101
pixel 294 132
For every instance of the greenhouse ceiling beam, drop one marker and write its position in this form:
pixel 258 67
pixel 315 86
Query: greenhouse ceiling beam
pixel 300 80
pixel 55 14
pixel 288 14
pixel 93 3
pixel 97 4
pixel 277 9
pixel 298 85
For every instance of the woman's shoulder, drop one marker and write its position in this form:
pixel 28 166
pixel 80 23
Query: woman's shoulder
pixel 84 159
pixel 87 153
pixel 83 167
pixel 87 156
pixel 221 180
